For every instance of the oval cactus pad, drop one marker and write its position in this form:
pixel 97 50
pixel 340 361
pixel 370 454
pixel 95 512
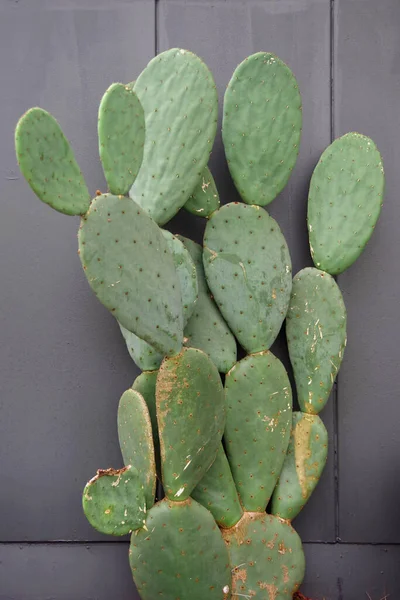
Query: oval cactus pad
pixel 48 163
pixel 179 98
pixel 305 460
pixel 131 270
pixel 266 556
pixel 136 440
pixel 180 555
pixel 258 423
pixel 344 202
pixel 191 419
pixel 316 336
pixel 261 127
pixel 121 137
pixel 113 501
pixel 248 269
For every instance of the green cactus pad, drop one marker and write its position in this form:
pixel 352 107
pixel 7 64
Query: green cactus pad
pixel 179 98
pixel 191 419
pixel 217 492
pixel 266 557
pixel 204 199
pixel 48 163
pixel 136 440
pixel 114 502
pixel 258 423
pixel 261 127
pixel 305 460
pixel 131 270
pixel 316 335
pixel 344 202
pixel 143 355
pixel 186 271
pixel 180 555
pixel 206 329
pixel 145 384
pixel 248 269
pixel 121 137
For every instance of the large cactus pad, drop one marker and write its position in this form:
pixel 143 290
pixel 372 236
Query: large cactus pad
pixel 266 557
pixel 48 163
pixel 344 203
pixel 248 269
pixel 191 419
pixel 180 555
pixel 131 270
pixel 121 137
pixel 179 98
pixel 136 440
pixel 259 417
pixel 261 127
pixel 316 335
pixel 114 501
pixel 305 460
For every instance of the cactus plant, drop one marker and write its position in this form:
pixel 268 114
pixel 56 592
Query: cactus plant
pixel 221 453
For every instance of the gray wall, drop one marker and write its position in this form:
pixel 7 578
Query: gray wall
pixel 63 362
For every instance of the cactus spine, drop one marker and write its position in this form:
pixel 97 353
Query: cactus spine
pixel 221 453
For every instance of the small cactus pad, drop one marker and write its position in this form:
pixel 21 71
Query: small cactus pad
pixel 266 557
pixel 344 202
pixel 191 419
pixel 204 199
pixel 186 272
pixel 145 384
pixel 258 423
pixel 316 335
pixel 142 354
pixel 206 329
pixel 48 163
pixel 305 460
pixel 136 440
pixel 261 127
pixel 131 270
pixel 145 356
pixel 217 492
pixel 114 502
pixel 121 137
pixel 180 554
pixel 248 269
pixel 179 98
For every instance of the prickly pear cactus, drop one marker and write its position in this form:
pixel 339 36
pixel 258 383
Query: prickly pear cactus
pixel 223 454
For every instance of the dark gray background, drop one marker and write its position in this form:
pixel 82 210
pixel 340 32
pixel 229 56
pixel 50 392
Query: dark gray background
pixel 63 361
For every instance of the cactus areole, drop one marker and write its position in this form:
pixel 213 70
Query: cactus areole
pixel 223 453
